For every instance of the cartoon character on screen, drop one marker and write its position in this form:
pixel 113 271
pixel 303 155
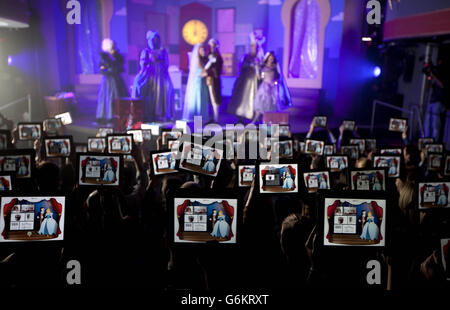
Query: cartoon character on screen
pixel 125 146
pixel 342 164
pixel 49 225
pixel 317 148
pixel 209 164
pixel 287 150
pixel 172 161
pixel 221 227
pixel 392 168
pixel 442 200
pixel 370 229
pixel 323 183
pixel 288 183
pixel 94 145
pixel 109 175
pixel 2 185
pixel 34 132
pixel 22 168
pixel 64 150
pixel 376 184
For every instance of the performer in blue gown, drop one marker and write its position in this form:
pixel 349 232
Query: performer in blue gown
pixel 197 99
pixel 153 83
pixel 111 86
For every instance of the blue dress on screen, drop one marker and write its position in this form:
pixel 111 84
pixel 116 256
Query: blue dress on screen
pixel 442 201
pixel 48 226
pixel 109 175
pixel 323 183
pixel 288 182
pixel 197 101
pixel 370 230
pixel 221 228
pixel 377 185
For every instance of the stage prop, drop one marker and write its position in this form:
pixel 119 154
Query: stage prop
pixel 127 111
pixel 55 105
pixel 275 118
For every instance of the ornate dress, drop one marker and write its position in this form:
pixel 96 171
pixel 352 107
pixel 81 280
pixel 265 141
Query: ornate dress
pixel 245 88
pixel 153 85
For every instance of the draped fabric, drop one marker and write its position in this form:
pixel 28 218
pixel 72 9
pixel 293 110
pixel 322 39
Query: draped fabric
pixel 196 100
pixel 303 62
pixel 88 37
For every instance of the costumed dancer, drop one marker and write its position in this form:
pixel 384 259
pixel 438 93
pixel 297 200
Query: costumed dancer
pixel 153 83
pixel 246 85
pixel 213 79
pixel 197 99
pixel 111 86
pixel 273 94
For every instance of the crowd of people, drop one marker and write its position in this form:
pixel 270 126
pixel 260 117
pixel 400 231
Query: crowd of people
pixel 123 236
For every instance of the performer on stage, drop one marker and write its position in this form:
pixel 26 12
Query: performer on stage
pixel 246 85
pixel 197 98
pixel 153 83
pixel 111 86
pixel 213 78
pixel 271 95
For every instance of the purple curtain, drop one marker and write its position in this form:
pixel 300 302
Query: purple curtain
pixel 303 62
pixel 88 37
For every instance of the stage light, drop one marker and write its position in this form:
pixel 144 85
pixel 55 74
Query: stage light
pixel 376 71
pixel 366 39
pixel 9 60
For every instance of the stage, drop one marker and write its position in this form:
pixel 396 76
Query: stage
pixel 305 105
